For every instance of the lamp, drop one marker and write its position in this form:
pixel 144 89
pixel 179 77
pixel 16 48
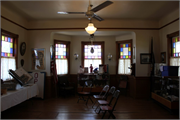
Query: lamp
pixel 91 38
pixel 90 28
pixel 109 56
pixel 76 56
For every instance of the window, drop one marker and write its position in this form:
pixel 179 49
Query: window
pixel 8 53
pixel 62 56
pixel 124 57
pixel 174 49
pixel 95 58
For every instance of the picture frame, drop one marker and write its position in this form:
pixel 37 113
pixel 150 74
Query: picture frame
pixel 163 57
pixel 38 59
pixel 145 58
pixel 22 48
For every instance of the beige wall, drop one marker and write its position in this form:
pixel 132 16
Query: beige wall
pixel 44 38
pixel 9 26
pixel 168 30
pixel 109 44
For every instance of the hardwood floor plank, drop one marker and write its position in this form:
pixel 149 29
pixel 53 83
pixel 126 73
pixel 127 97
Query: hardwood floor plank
pixel 68 108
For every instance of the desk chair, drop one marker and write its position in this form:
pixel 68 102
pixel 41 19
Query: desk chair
pixel 109 107
pixel 83 93
pixel 65 87
pixel 123 83
pixel 105 102
pixel 102 95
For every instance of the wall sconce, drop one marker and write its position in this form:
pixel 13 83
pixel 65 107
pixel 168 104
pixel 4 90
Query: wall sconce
pixel 109 56
pixel 76 56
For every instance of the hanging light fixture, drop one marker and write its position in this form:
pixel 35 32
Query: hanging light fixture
pixel 91 38
pixel 90 28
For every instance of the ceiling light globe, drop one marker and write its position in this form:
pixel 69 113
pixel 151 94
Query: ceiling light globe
pixel 90 28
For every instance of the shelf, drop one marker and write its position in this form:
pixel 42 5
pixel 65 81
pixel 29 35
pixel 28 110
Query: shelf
pixel 165 90
pixel 165 102
pixel 99 81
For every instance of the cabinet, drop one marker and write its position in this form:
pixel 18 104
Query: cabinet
pixel 99 81
pixel 165 90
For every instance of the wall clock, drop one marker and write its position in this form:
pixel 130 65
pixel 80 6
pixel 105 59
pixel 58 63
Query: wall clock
pixel 23 48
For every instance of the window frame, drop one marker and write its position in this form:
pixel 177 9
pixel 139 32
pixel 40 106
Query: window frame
pixel 118 52
pixel 15 43
pixel 83 43
pixel 67 43
pixel 169 45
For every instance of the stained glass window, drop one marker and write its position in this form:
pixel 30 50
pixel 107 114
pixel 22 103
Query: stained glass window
pixel 95 55
pixel 6 46
pixel 125 51
pixel 60 51
pixel 8 53
pixel 176 46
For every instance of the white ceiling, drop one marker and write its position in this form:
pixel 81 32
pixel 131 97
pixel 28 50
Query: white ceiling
pixel 47 10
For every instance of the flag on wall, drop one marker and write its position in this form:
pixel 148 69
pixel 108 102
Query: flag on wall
pixel 152 58
pixel 54 71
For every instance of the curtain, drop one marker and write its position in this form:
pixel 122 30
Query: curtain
pixel 6 64
pixel 62 66
pixel 123 66
pixel 175 62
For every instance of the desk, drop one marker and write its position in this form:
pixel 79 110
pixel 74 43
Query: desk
pixel 13 98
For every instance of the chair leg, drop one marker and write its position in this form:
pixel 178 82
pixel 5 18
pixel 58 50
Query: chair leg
pixel 87 101
pixel 111 114
pixel 94 103
pixel 96 107
pixel 90 99
pixel 99 110
pixel 104 114
pixel 78 99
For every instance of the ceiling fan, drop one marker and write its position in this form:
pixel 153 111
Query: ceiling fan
pixel 91 12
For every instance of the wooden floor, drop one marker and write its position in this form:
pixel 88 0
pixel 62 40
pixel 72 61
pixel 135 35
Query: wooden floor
pixel 68 108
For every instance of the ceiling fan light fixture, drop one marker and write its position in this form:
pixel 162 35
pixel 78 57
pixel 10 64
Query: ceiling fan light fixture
pixel 90 28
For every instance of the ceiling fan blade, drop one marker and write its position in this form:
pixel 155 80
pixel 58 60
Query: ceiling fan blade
pixel 101 6
pixel 97 17
pixel 76 12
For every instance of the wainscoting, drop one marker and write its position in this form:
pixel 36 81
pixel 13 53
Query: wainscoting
pixel 138 87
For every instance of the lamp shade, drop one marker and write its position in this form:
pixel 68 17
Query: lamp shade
pixel 90 28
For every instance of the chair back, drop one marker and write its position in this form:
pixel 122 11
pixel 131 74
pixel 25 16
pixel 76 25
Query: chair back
pixel 104 90
pixel 112 90
pixel 63 80
pixel 87 83
pixel 116 96
pixel 123 81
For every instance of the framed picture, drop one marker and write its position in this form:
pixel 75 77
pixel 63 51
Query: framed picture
pixel 23 48
pixel 163 57
pixel 145 58
pixel 38 59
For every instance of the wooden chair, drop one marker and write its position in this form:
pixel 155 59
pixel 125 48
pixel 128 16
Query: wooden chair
pixel 102 95
pixel 109 107
pixel 123 83
pixel 65 87
pixel 83 93
pixel 105 102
